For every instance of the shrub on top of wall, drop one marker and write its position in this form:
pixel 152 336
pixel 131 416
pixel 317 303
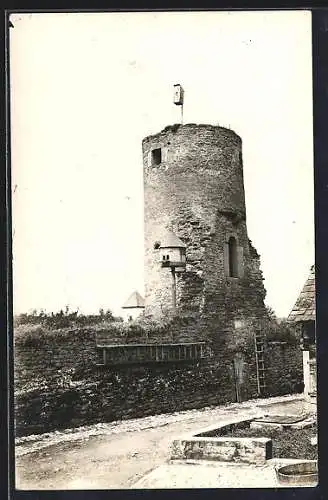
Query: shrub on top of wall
pixel 58 385
pixel 64 319
pixel 144 329
pixel 282 332
pixel 173 127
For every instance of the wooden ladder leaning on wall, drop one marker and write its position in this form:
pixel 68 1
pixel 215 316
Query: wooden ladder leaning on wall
pixel 259 357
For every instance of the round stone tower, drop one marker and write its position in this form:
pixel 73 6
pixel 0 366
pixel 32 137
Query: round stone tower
pixel 194 190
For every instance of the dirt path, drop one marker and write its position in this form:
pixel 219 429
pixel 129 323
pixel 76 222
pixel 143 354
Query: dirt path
pixel 116 455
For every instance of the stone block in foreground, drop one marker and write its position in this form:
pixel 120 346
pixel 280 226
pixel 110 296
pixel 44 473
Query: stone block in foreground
pixel 223 449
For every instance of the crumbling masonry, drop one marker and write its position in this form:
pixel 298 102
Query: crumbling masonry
pixel 193 187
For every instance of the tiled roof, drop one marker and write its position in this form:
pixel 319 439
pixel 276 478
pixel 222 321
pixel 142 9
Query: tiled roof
pixel 170 240
pixel 135 300
pixel 304 308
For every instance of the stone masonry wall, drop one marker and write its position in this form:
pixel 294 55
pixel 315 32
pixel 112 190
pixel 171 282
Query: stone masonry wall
pixel 284 367
pixel 58 385
pixel 197 192
pixel 42 355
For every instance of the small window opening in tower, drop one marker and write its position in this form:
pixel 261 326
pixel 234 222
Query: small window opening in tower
pixel 156 156
pixel 167 257
pixel 233 260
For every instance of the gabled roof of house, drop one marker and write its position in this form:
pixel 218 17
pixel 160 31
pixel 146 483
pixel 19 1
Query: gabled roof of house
pixel 304 308
pixel 171 240
pixel 135 300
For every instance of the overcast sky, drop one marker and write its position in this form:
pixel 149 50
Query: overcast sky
pixel 86 88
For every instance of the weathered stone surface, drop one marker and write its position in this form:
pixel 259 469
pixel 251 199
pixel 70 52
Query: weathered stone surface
pixel 44 398
pixel 198 193
pixel 283 364
pixel 223 449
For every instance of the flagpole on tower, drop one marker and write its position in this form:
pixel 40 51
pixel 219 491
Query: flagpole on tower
pixel 179 98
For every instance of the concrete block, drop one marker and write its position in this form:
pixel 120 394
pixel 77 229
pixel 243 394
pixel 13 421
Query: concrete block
pixel 243 450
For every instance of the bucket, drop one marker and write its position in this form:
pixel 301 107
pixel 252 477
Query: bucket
pixel 303 473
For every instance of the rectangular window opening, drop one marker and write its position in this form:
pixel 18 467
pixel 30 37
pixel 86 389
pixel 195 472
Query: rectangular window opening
pixel 156 156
